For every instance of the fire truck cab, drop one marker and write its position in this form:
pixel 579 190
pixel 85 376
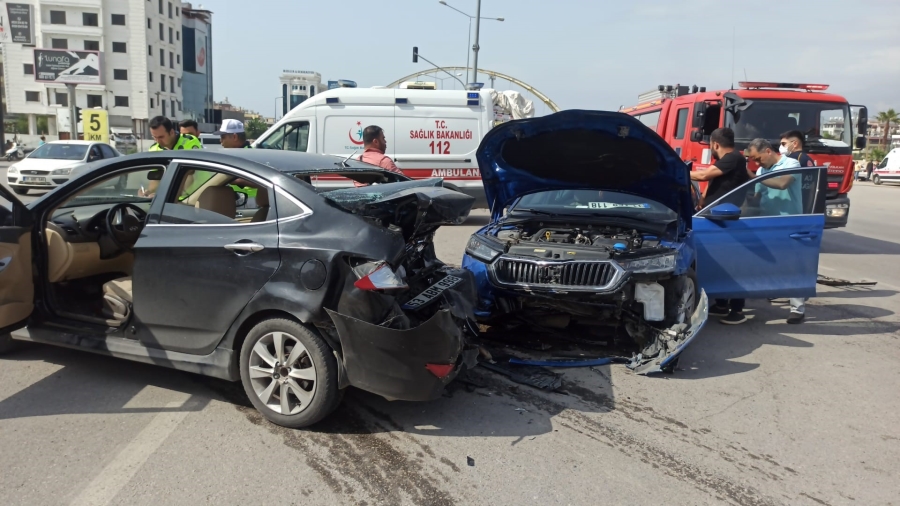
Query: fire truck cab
pixel 686 116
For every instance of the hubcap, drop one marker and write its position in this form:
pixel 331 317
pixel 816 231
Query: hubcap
pixel 687 301
pixel 282 373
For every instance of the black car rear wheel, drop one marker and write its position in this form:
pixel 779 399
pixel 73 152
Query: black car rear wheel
pixel 289 373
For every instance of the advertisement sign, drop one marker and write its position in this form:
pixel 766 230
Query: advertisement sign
pixel 64 66
pixel 95 125
pixel 200 51
pixel 17 24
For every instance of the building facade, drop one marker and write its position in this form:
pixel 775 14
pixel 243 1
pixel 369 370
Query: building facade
pixel 197 83
pixel 141 52
pixel 297 86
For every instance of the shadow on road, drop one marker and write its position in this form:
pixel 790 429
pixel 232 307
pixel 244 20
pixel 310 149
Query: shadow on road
pixel 859 293
pixel 839 242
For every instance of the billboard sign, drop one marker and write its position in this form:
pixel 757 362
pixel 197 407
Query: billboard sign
pixel 68 67
pixel 201 55
pixel 17 24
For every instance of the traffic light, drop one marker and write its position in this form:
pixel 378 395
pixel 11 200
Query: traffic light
pixel 415 54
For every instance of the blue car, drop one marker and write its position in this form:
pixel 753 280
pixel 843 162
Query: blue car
pixel 593 233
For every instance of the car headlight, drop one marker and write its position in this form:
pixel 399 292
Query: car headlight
pixel 480 250
pixel 663 263
pixel 12 170
pixel 62 172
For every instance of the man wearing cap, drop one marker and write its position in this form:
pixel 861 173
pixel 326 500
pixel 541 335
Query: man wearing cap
pixel 233 135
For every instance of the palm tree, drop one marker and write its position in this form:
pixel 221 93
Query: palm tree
pixel 886 118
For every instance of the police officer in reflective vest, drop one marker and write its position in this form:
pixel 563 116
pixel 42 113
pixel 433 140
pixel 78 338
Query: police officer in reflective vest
pixel 233 135
pixel 167 138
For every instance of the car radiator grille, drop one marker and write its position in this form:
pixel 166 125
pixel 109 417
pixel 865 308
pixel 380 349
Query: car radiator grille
pixel 562 274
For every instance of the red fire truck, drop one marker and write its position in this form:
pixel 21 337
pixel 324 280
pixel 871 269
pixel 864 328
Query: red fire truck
pixel 686 116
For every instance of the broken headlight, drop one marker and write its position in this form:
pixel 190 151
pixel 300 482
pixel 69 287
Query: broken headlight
pixel 480 249
pixel 662 263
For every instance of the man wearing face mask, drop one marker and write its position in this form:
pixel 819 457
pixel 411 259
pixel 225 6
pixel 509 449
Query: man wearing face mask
pixel 792 146
pixel 728 171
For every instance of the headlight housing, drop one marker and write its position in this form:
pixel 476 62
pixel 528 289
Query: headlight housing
pixel 12 170
pixel 662 263
pixel 480 249
pixel 62 172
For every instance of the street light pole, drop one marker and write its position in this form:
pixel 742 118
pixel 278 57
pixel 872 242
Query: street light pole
pixel 475 47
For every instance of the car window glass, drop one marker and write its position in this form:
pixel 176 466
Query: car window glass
pixel 681 123
pixel 777 193
pixel 286 206
pixel 883 163
pixel 121 187
pixel 201 196
pixel 292 136
pixel 107 151
pixel 59 151
pixel 649 119
pixel 94 154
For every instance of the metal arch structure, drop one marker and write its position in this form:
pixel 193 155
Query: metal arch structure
pixel 529 88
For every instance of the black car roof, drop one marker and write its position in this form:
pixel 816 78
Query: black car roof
pixel 282 161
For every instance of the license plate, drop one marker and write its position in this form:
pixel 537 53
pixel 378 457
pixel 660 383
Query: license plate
pixel 34 179
pixel 432 292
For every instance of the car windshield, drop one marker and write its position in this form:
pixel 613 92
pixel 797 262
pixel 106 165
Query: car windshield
pixel 826 125
pixel 54 151
pixel 211 140
pixel 593 203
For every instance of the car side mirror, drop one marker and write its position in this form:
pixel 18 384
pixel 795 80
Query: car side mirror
pixel 240 199
pixel 725 212
pixel 860 143
pixel 155 175
pixel 699 114
pixel 697 135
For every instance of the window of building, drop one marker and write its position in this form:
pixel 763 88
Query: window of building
pixel 171 60
pixel 172 103
pixel 62 99
pixel 118 19
pixel 681 123
pixel 152 105
pixel 163 102
pixel 179 82
pixel 160 6
pixel 162 57
pixel 32 96
pixel 178 59
pixel 29 69
pixel 171 38
pixel 95 101
pixel 179 104
pixel 162 33
pixel 172 83
pixel 89 19
pixel 59 43
pixel 177 35
pixel 162 83
pixel 149 50
pixel 151 76
pixel 149 24
pixel 57 17
pixel 176 12
pixel 92 45
pixel 170 10
pixel 119 47
pixel 120 74
pixel 121 101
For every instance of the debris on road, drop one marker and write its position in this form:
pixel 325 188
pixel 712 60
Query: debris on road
pixel 829 281
pixel 470 461
pixel 571 363
pixel 534 376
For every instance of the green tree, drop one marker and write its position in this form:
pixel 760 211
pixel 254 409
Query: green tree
pixel 878 154
pixel 886 118
pixel 255 127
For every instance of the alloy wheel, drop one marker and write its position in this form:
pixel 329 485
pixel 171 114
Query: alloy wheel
pixel 282 373
pixel 687 302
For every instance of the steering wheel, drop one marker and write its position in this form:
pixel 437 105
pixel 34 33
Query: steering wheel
pixel 124 223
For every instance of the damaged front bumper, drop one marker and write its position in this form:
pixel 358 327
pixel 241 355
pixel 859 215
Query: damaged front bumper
pixel 676 340
pixel 394 363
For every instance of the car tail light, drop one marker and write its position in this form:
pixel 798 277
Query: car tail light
pixel 377 276
pixel 439 370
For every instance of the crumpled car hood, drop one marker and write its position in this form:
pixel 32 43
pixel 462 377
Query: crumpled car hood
pixel 419 207
pixel 582 150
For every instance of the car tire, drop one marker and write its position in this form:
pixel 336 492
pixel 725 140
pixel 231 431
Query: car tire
pixel 674 300
pixel 6 343
pixel 20 191
pixel 876 179
pixel 308 392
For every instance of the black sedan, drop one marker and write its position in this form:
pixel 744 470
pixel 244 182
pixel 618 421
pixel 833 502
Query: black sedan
pixel 298 291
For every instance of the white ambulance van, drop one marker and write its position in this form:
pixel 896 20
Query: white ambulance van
pixel 429 133
pixel 888 171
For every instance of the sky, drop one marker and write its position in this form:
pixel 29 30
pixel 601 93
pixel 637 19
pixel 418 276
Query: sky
pixel 595 54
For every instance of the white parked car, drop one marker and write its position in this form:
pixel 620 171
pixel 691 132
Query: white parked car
pixel 53 163
pixel 211 141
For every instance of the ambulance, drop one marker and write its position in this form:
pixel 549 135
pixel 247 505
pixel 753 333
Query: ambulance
pixel 429 133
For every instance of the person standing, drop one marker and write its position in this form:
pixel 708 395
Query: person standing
pixel 375 146
pixel 190 127
pixel 869 168
pixel 233 135
pixel 728 172
pixel 167 139
pixel 778 196
pixel 42 141
pixel 793 145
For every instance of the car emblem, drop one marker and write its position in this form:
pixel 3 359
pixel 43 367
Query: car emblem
pixel 132 229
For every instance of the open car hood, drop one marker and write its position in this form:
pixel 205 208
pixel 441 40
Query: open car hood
pixel 582 150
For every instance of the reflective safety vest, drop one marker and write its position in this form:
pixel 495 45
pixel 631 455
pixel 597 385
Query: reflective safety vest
pixel 185 141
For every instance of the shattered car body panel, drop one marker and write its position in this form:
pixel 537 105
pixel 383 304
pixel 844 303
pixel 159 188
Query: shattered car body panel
pixel 596 238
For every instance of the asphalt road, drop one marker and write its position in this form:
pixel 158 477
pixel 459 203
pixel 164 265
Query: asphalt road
pixel 759 414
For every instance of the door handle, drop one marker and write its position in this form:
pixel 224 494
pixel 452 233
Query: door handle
pixel 804 236
pixel 245 247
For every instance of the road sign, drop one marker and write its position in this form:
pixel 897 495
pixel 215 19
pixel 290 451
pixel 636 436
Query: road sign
pixel 95 125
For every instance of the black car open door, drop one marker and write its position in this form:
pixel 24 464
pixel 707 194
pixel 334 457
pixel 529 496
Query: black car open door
pixel 16 281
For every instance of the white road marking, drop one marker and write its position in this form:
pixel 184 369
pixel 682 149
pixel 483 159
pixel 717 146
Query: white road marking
pixel 126 464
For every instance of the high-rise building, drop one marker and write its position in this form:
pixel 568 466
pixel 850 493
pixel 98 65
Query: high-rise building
pixel 297 86
pixel 140 45
pixel 197 84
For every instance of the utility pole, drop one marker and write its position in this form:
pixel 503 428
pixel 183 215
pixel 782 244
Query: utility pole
pixel 73 119
pixel 475 47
